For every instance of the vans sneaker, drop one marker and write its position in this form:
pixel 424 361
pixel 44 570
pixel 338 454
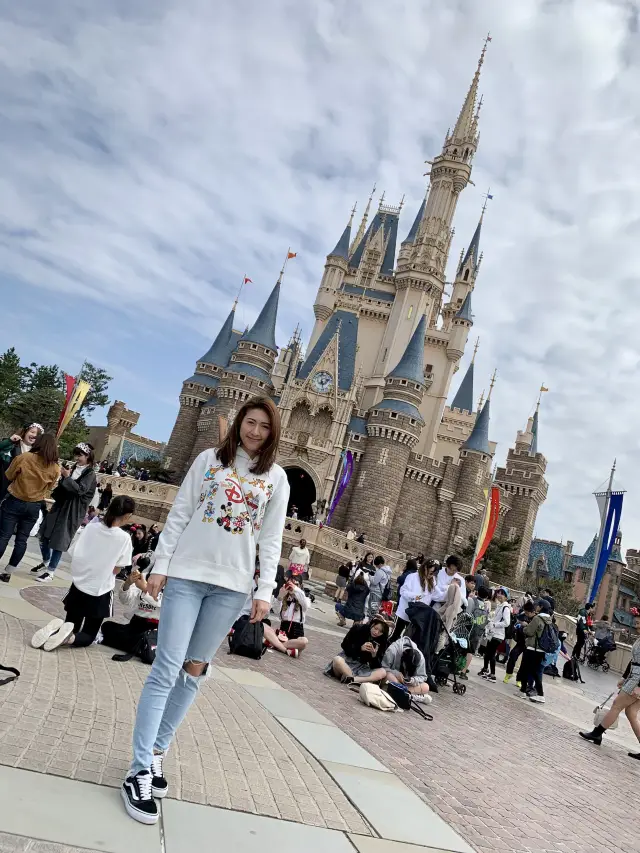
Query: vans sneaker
pixel 159 785
pixel 491 678
pixel 138 799
pixel 38 568
pixel 45 577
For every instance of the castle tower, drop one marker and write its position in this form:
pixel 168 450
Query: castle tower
pixel 247 374
pixel 466 275
pixel 522 480
pixel 335 270
pixel 393 429
pixel 196 391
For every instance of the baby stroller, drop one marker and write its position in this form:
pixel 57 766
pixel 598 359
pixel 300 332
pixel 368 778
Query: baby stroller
pixel 425 629
pixel 597 657
pixel 451 660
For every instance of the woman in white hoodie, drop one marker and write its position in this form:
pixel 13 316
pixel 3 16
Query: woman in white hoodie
pixel 232 498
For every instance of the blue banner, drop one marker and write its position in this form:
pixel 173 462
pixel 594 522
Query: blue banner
pixel 614 512
pixel 343 482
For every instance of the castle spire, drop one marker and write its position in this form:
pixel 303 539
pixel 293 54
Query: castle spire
pixel 219 351
pixel 363 224
pixel 472 255
pixel 465 129
pixel 411 365
pixel 263 331
pixel 478 441
pixel 465 310
pixel 342 246
pixel 464 395
pixel 413 233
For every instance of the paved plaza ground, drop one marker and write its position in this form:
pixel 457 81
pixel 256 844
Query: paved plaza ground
pixel 276 739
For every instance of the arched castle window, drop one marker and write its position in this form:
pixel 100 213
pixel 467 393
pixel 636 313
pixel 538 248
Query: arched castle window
pixel 410 313
pixel 321 424
pixel 466 275
pixel 300 418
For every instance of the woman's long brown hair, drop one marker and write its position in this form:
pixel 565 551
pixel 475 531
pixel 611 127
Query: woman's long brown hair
pixel 46 446
pixel 228 447
pixel 426 581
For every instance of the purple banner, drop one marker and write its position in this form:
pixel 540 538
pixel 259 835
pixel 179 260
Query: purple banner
pixel 345 476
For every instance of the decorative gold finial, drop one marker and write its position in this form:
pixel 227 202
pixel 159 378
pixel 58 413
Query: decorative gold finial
pixel 381 202
pixel 475 350
pixel 487 197
pixel 401 205
pixel 481 400
pixel 353 213
pixel 543 390
pixel 493 382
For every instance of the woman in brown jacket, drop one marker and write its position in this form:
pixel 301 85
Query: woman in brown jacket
pixel 31 476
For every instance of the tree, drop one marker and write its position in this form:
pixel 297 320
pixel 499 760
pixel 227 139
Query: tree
pixel 499 561
pixel 563 595
pixel 99 381
pixel 12 376
pixel 42 376
pixel 155 467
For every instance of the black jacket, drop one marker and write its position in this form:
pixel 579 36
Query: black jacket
pixel 355 639
pixel 424 629
pixel 72 499
pixel 357 594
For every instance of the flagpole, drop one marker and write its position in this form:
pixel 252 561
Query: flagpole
pixel 603 521
pixel 235 304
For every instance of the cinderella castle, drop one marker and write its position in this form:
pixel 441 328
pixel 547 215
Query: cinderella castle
pixel 390 334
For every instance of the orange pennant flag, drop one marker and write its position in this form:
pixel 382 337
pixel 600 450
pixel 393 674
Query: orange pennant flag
pixel 291 255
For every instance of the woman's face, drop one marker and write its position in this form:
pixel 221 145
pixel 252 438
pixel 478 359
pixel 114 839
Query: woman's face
pixel 139 534
pixel 255 430
pixel 377 630
pixel 303 543
pixel 31 435
pixel 80 458
pixel 369 559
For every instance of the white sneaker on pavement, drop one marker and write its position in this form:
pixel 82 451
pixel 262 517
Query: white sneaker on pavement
pixel 57 639
pixel 45 577
pixel 40 637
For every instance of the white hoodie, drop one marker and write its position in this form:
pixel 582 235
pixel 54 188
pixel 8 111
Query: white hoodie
pixel 442 585
pixel 209 535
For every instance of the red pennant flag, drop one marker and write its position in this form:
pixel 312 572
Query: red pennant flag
pixel 247 280
pixel 69 382
pixel 291 255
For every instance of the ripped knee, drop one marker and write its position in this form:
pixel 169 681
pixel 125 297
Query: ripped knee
pixel 195 668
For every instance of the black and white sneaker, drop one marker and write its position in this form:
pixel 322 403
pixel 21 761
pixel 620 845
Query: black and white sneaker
pixel 159 785
pixel 45 577
pixel 38 568
pixel 490 678
pixel 138 798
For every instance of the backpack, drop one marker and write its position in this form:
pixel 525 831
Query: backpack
pixel 247 639
pixel 372 696
pixel 403 699
pixel 549 640
pixel 571 671
pixel 145 648
pixel 551 670
pixel 386 592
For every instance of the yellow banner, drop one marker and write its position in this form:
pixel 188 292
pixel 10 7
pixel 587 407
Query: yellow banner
pixel 80 391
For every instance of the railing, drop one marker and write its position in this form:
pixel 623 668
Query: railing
pixel 149 491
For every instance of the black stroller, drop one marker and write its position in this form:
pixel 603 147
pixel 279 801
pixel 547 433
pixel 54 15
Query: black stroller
pixel 597 656
pixel 425 629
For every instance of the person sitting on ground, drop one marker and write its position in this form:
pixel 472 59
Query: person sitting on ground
pixel 146 610
pixel 496 629
pixel 451 570
pixel 363 648
pixel 299 560
pixel 95 559
pixel 379 582
pixel 480 613
pixel 522 620
pixel 342 578
pixel 357 593
pixel 293 612
pixel 404 664
pixel 419 585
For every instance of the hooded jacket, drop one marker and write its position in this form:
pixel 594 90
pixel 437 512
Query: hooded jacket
pixel 533 631
pixel 392 659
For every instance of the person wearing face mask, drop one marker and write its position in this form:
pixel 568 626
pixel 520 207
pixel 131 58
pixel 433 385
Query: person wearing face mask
pixel 19 442
pixel 72 496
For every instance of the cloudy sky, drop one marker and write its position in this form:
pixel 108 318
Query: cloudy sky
pixel 153 151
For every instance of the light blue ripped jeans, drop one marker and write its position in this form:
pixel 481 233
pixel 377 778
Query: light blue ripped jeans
pixel 194 620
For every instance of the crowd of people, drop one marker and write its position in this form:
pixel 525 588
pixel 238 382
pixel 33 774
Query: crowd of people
pixel 194 584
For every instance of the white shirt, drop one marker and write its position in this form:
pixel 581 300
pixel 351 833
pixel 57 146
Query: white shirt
pixel 212 530
pixel 411 590
pixel 296 611
pixel 351 535
pixel 299 557
pixel 442 585
pixel 500 620
pixel 142 604
pixel 77 471
pixel 95 554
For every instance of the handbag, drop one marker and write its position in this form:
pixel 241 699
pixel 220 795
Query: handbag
pixel 247 639
pixel 145 648
pixel 600 712
pixel 373 697
pixel 405 701
pixel 15 674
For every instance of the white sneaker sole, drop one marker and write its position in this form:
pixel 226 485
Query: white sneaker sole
pixel 57 639
pixel 136 814
pixel 40 637
pixel 160 793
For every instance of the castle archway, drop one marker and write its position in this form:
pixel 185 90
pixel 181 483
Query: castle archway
pixel 303 491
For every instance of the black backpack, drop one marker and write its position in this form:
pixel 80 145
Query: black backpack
pixel 404 700
pixel 247 639
pixel 549 641
pixel 386 592
pixel 571 671
pixel 145 648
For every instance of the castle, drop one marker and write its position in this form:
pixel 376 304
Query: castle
pixel 387 341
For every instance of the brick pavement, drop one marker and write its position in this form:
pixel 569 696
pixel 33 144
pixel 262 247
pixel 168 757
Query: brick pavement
pixel 504 774
pixel 71 714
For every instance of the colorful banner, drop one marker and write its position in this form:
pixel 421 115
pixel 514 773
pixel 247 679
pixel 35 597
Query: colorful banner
pixel 69 382
pixel 345 477
pixel 80 391
pixel 492 523
pixel 223 426
pixel 609 534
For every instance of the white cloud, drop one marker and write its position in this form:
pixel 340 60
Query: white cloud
pixel 153 152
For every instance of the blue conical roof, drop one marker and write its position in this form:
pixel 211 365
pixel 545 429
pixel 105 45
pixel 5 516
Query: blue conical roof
pixel 464 395
pixel 465 310
pixel 413 233
pixel 479 438
pixel 342 246
pixel 534 432
pixel 411 365
pixel 220 350
pixel 263 331
pixel 473 252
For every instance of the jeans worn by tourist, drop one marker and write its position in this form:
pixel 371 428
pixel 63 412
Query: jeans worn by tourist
pixel 196 617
